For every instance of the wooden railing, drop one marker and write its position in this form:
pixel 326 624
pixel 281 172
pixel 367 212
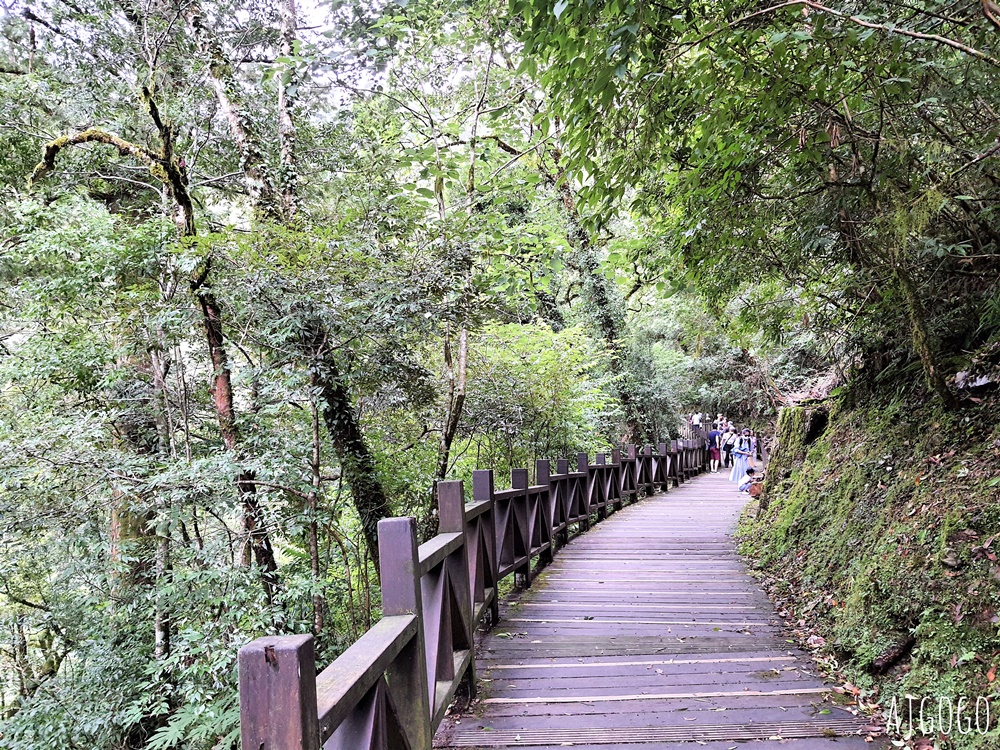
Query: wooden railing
pixel 392 687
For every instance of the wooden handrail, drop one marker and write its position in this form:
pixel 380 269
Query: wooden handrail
pixel 342 685
pixel 391 688
pixel 432 552
pixel 507 494
pixel 474 509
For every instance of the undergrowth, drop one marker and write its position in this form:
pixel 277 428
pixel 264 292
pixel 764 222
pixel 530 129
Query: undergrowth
pixel 879 535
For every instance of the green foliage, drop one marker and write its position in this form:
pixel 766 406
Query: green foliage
pixel 814 164
pixel 534 394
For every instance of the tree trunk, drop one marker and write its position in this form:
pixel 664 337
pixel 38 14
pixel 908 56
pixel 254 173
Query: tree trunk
pixel 923 340
pixel 456 373
pixel 288 84
pixel 160 362
pixel 600 296
pixel 161 619
pixel 357 464
pixel 312 508
pixel 259 188
pixel 25 674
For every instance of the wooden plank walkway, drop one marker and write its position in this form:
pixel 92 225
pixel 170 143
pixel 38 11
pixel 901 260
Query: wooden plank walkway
pixel 648 630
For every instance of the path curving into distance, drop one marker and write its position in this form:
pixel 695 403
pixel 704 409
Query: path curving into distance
pixel 648 631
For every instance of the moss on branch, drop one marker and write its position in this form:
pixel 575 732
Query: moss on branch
pixel 93 135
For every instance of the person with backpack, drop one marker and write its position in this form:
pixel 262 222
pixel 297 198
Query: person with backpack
pixel 728 440
pixel 714 442
pixel 742 448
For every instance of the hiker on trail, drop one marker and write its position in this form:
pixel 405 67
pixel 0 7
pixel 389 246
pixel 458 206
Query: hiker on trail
pixel 741 456
pixel 696 420
pixel 747 479
pixel 728 440
pixel 714 441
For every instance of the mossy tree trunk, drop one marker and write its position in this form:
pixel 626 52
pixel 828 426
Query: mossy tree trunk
pixel 599 294
pixel 923 339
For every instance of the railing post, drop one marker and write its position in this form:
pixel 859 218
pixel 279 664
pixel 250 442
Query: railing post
pixel 399 565
pixel 595 483
pixel 451 507
pixel 630 453
pixel 565 497
pixel 522 512
pixel 583 467
pixel 451 512
pixel 543 477
pixel 601 475
pixel 647 453
pixel 616 478
pixel 664 467
pixel 278 694
pixel 482 491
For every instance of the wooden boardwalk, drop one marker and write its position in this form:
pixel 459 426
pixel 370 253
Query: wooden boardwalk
pixel 648 629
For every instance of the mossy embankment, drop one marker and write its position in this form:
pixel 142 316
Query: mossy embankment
pixel 879 533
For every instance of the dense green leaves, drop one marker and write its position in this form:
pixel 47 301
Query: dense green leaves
pixel 412 250
pixel 846 153
pixel 138 503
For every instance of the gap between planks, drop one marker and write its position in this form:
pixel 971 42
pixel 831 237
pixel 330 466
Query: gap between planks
pixel 657 662
pixel 659 696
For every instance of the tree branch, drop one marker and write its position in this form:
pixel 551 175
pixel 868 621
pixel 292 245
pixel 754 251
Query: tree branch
pixel 24 602
pixel 857 20
pixel 282 487
pixel 93 135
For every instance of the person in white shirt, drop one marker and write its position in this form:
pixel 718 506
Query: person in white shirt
pixel 747 480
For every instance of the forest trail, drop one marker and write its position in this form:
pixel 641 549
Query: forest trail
pixel 649 630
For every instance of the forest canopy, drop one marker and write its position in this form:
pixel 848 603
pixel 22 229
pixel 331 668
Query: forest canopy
pixel 269 271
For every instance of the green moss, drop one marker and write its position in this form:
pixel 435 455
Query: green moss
pixel 875 525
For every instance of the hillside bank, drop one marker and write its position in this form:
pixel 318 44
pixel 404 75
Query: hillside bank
pixel 878 537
